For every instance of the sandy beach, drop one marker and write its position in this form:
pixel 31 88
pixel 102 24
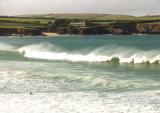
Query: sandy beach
pixel 50 34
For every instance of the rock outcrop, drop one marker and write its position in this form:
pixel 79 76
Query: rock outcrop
pixel 82 30
pixel 122 28
pixel 148 28
pixel 19 31
pixel 133 28
pixel 114 28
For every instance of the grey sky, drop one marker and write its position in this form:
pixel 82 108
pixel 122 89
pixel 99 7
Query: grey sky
pixel 132 7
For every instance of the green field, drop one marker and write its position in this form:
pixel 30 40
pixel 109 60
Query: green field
pixel 43 20
pixel 102 19
pixel 24 22
pixel 84 16
pixel 20 19
pixel 93 16
pixel 19 25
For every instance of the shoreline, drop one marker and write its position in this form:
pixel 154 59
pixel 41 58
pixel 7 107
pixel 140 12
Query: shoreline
pixel 50 34
pixel 114 29
pixel 34 26
pixel 102 34
pixel 56 34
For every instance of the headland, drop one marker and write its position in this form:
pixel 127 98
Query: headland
pixel 78 24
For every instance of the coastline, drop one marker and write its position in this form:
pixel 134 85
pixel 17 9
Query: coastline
pixel 31 26
pixel 115 29
pixel 127 28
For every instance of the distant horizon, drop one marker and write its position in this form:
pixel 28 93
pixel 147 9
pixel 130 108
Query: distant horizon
pixel 80 13
pixel 120 7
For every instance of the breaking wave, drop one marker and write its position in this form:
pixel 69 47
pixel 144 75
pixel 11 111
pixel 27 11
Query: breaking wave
pixel 102 54
pixel 110 53
pixel 6 47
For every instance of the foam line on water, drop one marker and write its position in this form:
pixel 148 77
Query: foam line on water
pixel 78 102
pixel 20 81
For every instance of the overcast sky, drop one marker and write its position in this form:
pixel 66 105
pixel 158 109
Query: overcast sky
pixel 131 7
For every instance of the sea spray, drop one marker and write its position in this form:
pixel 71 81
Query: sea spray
pixel 6 47
pixel 100 54
pixel 109 53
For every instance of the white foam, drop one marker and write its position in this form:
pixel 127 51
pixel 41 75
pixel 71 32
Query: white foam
pixel 81 102
pixel 101 54
pixel 6 47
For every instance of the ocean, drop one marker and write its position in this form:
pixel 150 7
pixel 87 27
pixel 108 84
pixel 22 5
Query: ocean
pixel 80 74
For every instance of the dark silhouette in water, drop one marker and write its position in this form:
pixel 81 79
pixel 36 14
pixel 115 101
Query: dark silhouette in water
pixel 30 93
pixel 23 52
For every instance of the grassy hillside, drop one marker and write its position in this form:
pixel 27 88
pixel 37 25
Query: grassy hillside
pixel 24 22
pixel 82 16
pixel 156 17
pixel 103 19
pixel 63 24
pixel 93 16
pixel 20 19
pixel 42 20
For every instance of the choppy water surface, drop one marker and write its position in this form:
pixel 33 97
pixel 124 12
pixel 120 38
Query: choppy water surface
pixel 69 74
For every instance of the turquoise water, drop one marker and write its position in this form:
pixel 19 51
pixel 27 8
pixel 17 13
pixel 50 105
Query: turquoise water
pixel 91 69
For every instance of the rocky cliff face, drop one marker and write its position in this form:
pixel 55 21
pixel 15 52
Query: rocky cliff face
pixel 131 28
pixel 19 31
pixel 116 28
pixel 83 30
pixel 148 28
pixel 122 28
pixel 95 30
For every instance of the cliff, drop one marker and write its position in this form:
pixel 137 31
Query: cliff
pixel 117 27
pixel 133 28
pixel 82 30
pixel 20 31
pixel 122 28
pixel 114 28
pixel 148 28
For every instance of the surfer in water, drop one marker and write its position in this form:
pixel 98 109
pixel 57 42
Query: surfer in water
pixel 23 53
pixel 30 93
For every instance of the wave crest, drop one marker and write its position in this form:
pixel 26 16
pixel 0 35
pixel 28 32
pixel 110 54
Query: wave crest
pixel 102 54
pixel 6 47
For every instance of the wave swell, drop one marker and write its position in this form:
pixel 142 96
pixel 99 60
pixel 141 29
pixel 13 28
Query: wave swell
pixel 110 53
pixel 101 54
